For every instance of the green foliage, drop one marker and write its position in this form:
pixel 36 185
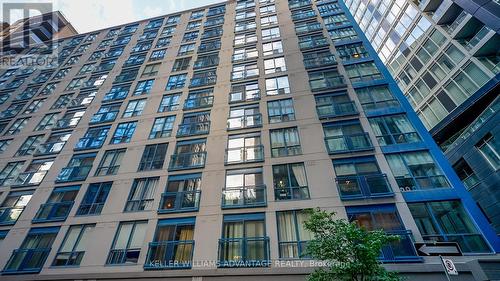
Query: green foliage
pixel 350 251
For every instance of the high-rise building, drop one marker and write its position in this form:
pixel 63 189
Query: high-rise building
pixel 444 56
pixel 34 30
pixel 194 141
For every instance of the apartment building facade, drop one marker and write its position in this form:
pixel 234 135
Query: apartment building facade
pixel 188 147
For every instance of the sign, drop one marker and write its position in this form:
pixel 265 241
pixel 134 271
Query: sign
pixel 438 249
pixel 449 266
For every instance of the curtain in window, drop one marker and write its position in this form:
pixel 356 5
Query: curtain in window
pixel 287 233
pixel 299 174
pixel 183 253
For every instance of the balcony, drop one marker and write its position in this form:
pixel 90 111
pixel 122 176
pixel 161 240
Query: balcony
pixel 402 250
pixel 244 252
pixel 244 197
pixel 407 183
pixel 291 193
pixel 320 61
pixel 53 212
pixel 170 254
pixel 29 178
pixel 480 35
pixel 332 110
pixel 314 43
pixel 303 15
pixel 198 102
pixel 184 161
pixel 69 174
pixel 457 22
pixel 299 4
pixel 362 187
pixel 98 118
pixel 244 122
pixel 240 155
pixel 183 201
pixel 469 242
pixel 193 129
pixel 323 84
pixel 9 215
pixel 90 143
pixel 26 261
pixel 49 148
pixel 348 143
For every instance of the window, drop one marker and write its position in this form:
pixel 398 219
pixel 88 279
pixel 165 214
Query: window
pixel 127 243
pixel 242 117
pixel 94 138
pixel 194 124
pixel 181 64
pixel 82 99
pixel 150 70
pixel 4 144
pixel 312 42
pixel 70 119
pixel 489 147
pixel 48 122
pixel 173 244
pixel 48 89
pixel 186 49
pixel 208 46
pixel 73 247
pixel 203 78
pixel 272 48
pixel 193 25
pixel 277 86
pixel 245 71
pixel 190 36
pixel 269 20
pixel 325 80
pixel 29 145
pixel 209 33
pixel 280 110
pixel 134 108
pixel 27 94
pixel 244 92
pixel 206 61
pixel 448 221
pixel 169 103
pixel 214 22
pixel 124 132
pixel 348 136
pixel 96 55
pixel 244 188
pixel 246 38
pixel 197 14
pixel 163 42
pixel 394 129
pixel 13 206
pixel 34 106
pixel 376 97
pixel 162 127
pixel 274 65
pixel 62 101
pixel 153 157
pixel 86 68
pixel 117 92
pixel 352 51
pixel 285 142
pixel 158 54
pixel 110 162
pixel 143 87
pixel 292 234
pixel 173 19
pixel 141 195
pixel 106 113
pixel 290 182
pixel 78 168
pixel 188 155
pixel 244 149
pixel 34 173
pixel 142 46
pixel 127 75
pixel 363 71
pixel 176 81
pixel 416 170
pixel 243 26
pixel 265 10
pixel 74 84
pixel 181 194
pixel 199 99
pixel 465 173
pixel 17 126
pixel 58 205
pixel 54 144
pixel 12 110
pixel 270 33
pixel 244 231
pixel 243 54
pixel 94 199
pixel 334 104
pixel 38 242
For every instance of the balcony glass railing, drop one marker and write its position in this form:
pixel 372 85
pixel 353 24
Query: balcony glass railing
pixel 49 148
pixel 53 211
pixel 241 96
pixel 348 143
pixel 461 17
pixel 469 242
pixel 303 15
pixel 320 61
pixel 247 154
pixel 198 102
pixel 313 43
pixel 298 4
pixel 244 252
pixel 79 173
pixel 365 186
pixel 187 160
pixel 169 254
pixel 336 109
pixel 477 38
pixel 244 196
pixel 9 215
pixel 183 201
pixel 242 122
pixel 29 178
pixel 407 183
pixel 308 28
pixel 471 181
pixel 26 260
pixel 109 116
pixel 400 251
pixel 193 129
pixel 90 143
pixel 327 83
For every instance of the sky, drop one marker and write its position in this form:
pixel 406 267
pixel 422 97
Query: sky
pixel 90 15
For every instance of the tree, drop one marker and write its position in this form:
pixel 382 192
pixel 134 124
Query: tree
pixel 349 251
